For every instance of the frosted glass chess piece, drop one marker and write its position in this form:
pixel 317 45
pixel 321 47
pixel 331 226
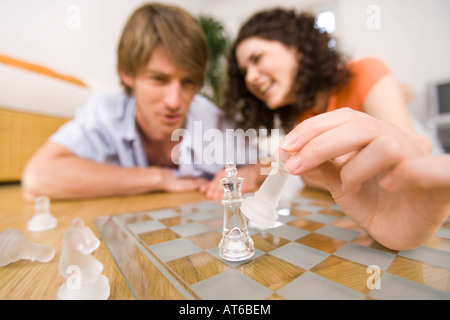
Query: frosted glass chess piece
pixel 82 271
pixel 236 244
pixel 262 207
pixel 14 246
pixel 42 219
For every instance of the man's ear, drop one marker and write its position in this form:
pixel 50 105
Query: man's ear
pixel 127 79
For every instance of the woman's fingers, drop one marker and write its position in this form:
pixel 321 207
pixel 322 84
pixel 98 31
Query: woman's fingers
pixel 379 156
pixel 317 125
pixel 361 145
pixel 334 143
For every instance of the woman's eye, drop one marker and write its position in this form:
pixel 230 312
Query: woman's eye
pixel 257 58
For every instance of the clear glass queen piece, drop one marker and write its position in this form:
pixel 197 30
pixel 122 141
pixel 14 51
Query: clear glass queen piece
pixel 236 244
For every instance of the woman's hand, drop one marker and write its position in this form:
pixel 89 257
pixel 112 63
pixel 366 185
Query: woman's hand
pixel 363 162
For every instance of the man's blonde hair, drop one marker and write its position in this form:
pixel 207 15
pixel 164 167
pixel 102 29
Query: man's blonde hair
pixel 172 27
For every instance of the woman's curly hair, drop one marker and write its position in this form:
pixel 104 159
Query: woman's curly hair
pixel 320 67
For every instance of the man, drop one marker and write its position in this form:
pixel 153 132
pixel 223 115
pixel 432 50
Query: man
pixel 120 144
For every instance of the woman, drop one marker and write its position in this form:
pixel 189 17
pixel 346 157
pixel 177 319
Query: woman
pixel 282 66
pixel 378 171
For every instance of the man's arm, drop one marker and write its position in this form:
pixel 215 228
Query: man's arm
pixel 58 173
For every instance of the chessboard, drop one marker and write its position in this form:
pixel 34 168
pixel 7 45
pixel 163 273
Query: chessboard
pixel 313 252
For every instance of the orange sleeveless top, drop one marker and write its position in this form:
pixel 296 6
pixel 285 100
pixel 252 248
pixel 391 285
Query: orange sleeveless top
pixel 365 74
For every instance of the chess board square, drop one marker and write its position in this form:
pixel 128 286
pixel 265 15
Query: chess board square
pixel 209 206
pixel 230 285
pixel 190 229
pixel 338 233
pixel 275 296
pixel 334 206
pixel 201 215
pixel 292 201
pixel 175 221
pixel 324 202
pixel 285 219
pixel 433 276
pixel 174 249
pixel 331 211
pixel 306 224
pixel 298 213
pixel 430 255
pixel 206 240
pixel 365 240
pixel 312 286
pixel 348 273
pixel 158 236
pixel 299 255
pixel 288 232
pixel 215 252
pixel 365 256
pixel 187 208
pixel 267 242
pixel 197 267
pixel 320 217
pixel 270 271
pixel 321 242
pixel 393 287
pixel 132 217
pixel 163 214
pixel 216 224
pixel 145 226
pixel 438 243
pixel 347 223
pixel 308 208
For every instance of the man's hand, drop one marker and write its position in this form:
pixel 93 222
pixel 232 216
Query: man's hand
pixel 251 174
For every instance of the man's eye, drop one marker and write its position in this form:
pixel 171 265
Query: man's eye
pixel 158 79
pixel 188 82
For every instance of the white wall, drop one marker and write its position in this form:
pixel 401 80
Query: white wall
pixel 413 37
pixel 83 43
pixel 41 31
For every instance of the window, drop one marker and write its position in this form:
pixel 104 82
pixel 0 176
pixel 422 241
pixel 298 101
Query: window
pixel 325 21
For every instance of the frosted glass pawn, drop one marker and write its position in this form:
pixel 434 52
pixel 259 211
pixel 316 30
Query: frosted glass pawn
pixel 42 219
pixel 262 207
pixel 82 271
pixel 14 246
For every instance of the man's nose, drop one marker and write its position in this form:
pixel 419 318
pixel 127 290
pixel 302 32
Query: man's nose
pixel 173 95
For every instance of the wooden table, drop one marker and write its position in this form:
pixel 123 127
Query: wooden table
pixel 33 280
pixel 315 252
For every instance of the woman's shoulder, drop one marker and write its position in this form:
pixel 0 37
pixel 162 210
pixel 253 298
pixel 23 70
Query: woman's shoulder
pixel 368 64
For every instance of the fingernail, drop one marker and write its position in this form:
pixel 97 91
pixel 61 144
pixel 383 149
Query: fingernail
pixel 293 163
pixel 289 140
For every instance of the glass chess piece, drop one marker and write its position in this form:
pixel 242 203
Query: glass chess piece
pixel 14 246
pixel 236 244
pixel 262 207
pixel 79 267
pixel 42 220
